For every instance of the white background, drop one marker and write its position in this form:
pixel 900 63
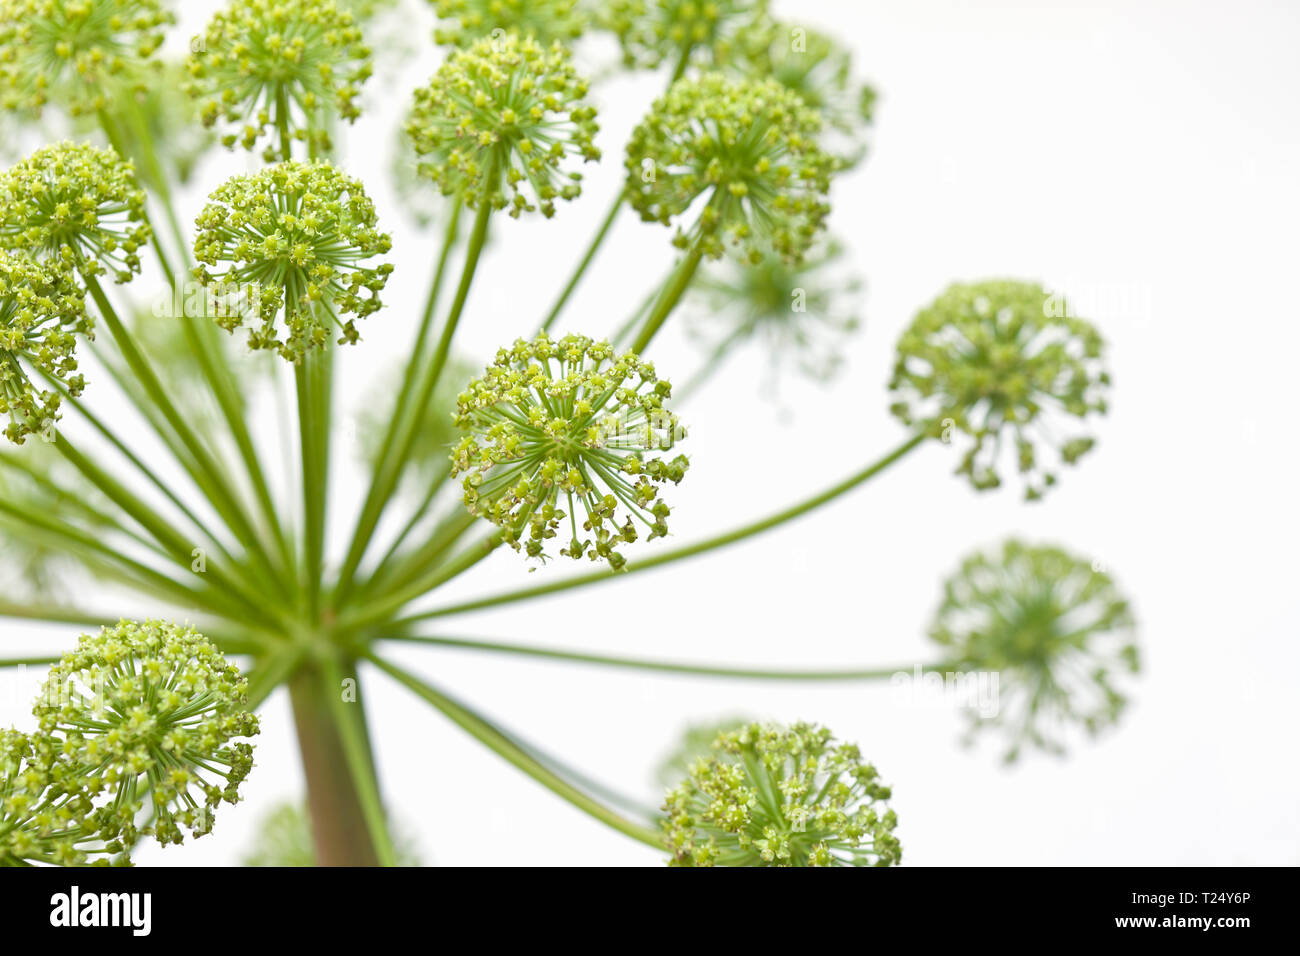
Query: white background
pixel 1100 146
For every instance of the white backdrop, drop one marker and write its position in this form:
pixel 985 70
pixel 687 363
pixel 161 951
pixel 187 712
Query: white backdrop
pixel 1143 154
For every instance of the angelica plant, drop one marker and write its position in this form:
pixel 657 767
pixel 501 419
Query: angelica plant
pixel 164 478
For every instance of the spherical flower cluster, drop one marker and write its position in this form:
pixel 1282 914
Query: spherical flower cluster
pixel 279 68
pixel 564 433
pixel 45 816
pixel 149 712
pixel 1003 363
pixel 466 21
pixel 292 239
pixel 77 205
pixel 78 53
pixel 505 113
pixel 781 796
pixel 802 313
pixel 677 31
pixel 813 65
pixel 1056 631
pixel 748 151
pixel 41 314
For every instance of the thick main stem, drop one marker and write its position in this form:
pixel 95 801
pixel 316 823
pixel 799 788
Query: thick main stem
pixel 337 818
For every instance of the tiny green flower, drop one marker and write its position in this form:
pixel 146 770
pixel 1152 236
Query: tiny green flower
pixel 695 742
pixel 747 151
pixel 77 53
pixel 679 31
pixel 820 70
pixel 41 314
pixel 279 68
pixel 150 712
pixel 781 796
pixel 1055 629
pixel 1004 363
pixel 801 313
pixel 293 239
pixel 505 113
pixel 543 20
pixel 46 818
pixel 77 205
pixel 555 428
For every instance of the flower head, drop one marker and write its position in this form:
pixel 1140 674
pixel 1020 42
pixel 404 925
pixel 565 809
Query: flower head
pixel 747 151
pixel 45 816
pixel 564 434
pixel 41 313
pixel 1001 362
pixel 293 239
pixel 781 796
pixel 279 68
pixel 1054 628
pixel 654 31
pixel 802 313
pixel 813 65
pixel 77 205
pixel 150 712
pixel 77 53
pixel 505 114
pixel 466 21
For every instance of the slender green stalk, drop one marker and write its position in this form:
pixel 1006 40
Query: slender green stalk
pixel 668 300
pixel 55 613
pixel 390 471
pixel 393 575
pixel 208 474
pixel 688 551
pixel 313 376
pixel 664 667
pixel 493 738
pixel 28 661
pixel 590 255
pixel 402 409
pixel 386 563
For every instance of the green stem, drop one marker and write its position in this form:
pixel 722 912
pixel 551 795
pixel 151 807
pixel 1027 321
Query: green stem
pixel 390 470
pixel 339 823
pixel 664 667
pixel 282 122
pixel 28 661
pixel 668 300
pixel 494 739
pixel 590 255
pixel 313 375
pixel 56 614
pixel 688 551
pixel 207 473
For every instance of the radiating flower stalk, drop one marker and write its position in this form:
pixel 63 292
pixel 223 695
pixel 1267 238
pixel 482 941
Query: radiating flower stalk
pixel 564 445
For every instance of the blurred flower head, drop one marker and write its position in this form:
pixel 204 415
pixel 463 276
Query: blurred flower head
pixel 41 314
pixel 279 69
pixel 1055 629
pixel 707 32
pixel 506 114
pixel 77 206
pixel 781 796
pixel 801 314
pixel 1006 365
pixel 560 438
pixel 820 70
pixel 463 22
pixel 737 159
pixel 78 54
pixel 290 244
